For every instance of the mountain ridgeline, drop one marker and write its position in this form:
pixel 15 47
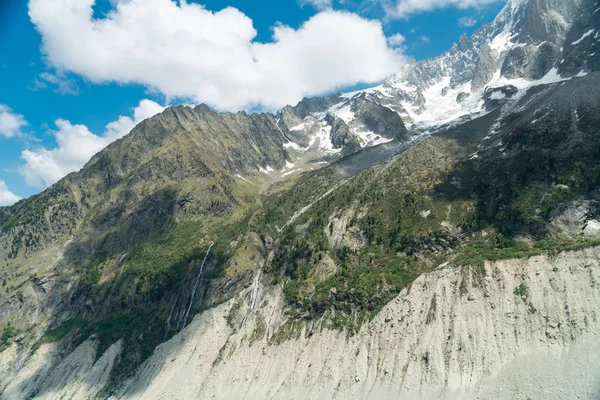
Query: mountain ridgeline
pixel 359 219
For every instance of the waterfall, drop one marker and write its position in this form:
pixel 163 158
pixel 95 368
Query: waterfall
pixel 253 297
pixel 187 314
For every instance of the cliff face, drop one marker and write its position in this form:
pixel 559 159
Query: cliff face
pixel 523 328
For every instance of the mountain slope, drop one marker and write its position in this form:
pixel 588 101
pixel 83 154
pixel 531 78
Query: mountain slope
pixel 234 237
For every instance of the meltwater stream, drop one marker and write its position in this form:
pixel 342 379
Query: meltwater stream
pixel 187 314
pixel 253 297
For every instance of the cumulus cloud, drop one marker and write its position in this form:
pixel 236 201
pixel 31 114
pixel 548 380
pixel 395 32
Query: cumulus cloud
pixel 406 8
pixel 10 123
pixel 396 40
pixel 467 22
pixel 184 50
pixel 76 145
pixel 7 198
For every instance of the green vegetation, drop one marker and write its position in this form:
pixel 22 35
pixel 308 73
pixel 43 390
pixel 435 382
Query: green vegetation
pixel 366 280
pixel 8 333
pixel 494 247
pixel 522 291
pixel 27 222
pixel 259 330
pixel 165 255
pixel 426 206
pixel 139 300
pixel 58 333
pixel 395 219
pixel 549 165
pixel 546 166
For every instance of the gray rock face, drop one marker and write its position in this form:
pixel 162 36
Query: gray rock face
pixel 462 96
pixel 310 106
pixel 592 228
pixel 546 20
pixel 537 31
pixel 496 97
pixel 341 136
pixel 577 220
pixel 485 68
pixel 380 120
pixel 289 118
pixel 582 45
pixel 530 62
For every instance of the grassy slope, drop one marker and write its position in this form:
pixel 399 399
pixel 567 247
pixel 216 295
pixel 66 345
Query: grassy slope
pixel 429 206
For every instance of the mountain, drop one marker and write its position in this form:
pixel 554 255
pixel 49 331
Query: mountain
pixel 529 43
pixel 435 236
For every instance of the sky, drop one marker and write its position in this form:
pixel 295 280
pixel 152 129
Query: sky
pixel 76 75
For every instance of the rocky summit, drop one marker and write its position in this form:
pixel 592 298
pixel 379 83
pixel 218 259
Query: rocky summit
pixel 436 236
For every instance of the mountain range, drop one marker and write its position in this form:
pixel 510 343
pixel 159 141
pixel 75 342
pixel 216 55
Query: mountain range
pixel 436 236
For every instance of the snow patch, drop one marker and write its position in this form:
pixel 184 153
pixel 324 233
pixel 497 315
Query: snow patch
pixel 503 41
pixel 266 170
pixel 588 33
pixel 300 127
pixel 343 111
pixel 294 146
pixel 443 109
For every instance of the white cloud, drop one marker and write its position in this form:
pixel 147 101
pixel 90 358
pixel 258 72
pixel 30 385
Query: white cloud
pixel 61 84
pixel 406 8
pixel 318 4
pixel 184 50
pixel 424 39
pixel 396 40
pixel 76 145
pixel 10 123
pixel 467 22
pixel 7 198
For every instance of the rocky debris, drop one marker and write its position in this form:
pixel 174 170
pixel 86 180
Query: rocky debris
pixel 530 346
pixel 481 343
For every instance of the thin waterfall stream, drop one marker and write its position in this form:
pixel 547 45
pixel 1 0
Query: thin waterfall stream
pixel 187 314
pixel 253 297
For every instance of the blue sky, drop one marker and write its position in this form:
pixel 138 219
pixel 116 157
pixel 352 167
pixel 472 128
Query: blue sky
pixel 41 82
